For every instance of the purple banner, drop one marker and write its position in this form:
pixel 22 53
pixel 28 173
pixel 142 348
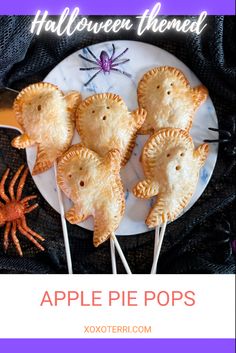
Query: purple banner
pixel 118 345
pixel 121 7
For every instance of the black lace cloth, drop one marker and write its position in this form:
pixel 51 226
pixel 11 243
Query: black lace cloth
pixel 201 241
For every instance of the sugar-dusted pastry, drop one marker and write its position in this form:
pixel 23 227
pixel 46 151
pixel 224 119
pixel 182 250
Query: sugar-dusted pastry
pixel 171 166
pixel 93 184
pixel 165 93
pixel 104 123
pixel 46 117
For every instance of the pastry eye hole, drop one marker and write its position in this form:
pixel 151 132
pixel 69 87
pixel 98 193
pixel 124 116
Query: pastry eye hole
pixel 69 176
pixel 168 155
pixel 178 167
pixel 108 107
pixel 80 168
pixel 39 107
pixel 104 117
pixel 168 92
pixel 93 111
pixel 182 154
pixel 158 86
pixel 81 183
pixel 172 84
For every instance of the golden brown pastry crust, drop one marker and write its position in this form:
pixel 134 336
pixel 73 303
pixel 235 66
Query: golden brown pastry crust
pixel 104 123
pixel 93 184
pixel 171 167
pixel 73 99
pixel 164 92
pixel 47 117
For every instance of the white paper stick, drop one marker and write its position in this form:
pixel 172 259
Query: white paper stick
pixel 64 226
pixel 158 250
pixel 156 242
pixel 113 256
pixel 120 252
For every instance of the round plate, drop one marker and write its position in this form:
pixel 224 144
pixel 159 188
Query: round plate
pixel 67 76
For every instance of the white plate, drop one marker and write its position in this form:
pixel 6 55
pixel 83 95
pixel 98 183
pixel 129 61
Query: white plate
pixel 142 57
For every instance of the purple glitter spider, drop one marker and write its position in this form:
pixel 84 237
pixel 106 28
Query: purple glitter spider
pixel 105 64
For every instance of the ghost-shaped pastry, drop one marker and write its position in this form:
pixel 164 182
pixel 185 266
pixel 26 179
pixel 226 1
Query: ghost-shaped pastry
pixel 104 123
pixel 171 166
pixel 94 186
pixel 165 93
pixel 47 119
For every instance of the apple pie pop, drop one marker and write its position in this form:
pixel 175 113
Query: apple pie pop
pixel 94 186
pixel 46 117
pixel 104 123
pixel 165 93
pixel 171 166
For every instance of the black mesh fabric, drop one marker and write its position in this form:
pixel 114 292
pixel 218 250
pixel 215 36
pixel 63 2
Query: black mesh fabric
pixel 202 240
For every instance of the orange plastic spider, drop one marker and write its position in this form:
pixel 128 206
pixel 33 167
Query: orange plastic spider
pixel 13 210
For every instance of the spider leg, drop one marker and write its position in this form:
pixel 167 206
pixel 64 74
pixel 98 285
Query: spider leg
pixel 121 54
pixel 31 208
pixel 86 59
pixel 113 52
pixel 6 236
pixel 91 53
pixel 121 62
pixel 15 239
pixel 223 132
pixel 21 184
pixel 30 231
pixel 86 84
pixel 13 181
pixel 225 136
pixel 28 198
pixel 29 236
pixel 214 141
pixel 2 186
pixel 88 68
pixel 121 72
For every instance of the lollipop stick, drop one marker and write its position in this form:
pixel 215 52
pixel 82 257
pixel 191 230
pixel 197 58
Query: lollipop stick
pixel 158 249
pixel 157 236
pixel 64 226
pixel 113 256
pixel 120 252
